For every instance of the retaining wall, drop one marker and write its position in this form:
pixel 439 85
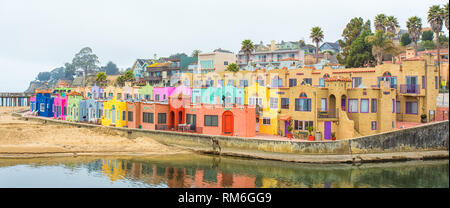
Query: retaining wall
pixel 433 136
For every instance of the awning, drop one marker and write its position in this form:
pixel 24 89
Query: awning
pixel 285 118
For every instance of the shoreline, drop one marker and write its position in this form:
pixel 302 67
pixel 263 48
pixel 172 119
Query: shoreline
pixel 24 151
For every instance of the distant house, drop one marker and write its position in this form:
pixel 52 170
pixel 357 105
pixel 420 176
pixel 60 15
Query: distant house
pixel 139 67
pixel 329 46
pixel 217 61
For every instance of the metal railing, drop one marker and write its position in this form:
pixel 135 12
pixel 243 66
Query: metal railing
pixel 330 113
pixel 409 89
pixel 161 127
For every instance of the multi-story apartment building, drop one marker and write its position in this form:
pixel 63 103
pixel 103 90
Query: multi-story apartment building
pixel 216 61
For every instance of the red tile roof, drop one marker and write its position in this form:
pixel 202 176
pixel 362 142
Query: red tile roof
pixel 342 79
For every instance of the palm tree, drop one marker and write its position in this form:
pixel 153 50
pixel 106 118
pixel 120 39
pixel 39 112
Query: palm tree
pixel 101 78
pixel 435 18
pixel 247 47
pixel 379 22
pixel 446 16
pixel 414 25
pixel 391 24
pixel 196 52
pixel 382 44
pixel 316 36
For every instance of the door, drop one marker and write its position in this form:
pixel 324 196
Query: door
pixel 228 123
pixel 411 84
pixel 192 120
pixel 113 115
pixel 286 125
pixel 257 125
pixel 327 130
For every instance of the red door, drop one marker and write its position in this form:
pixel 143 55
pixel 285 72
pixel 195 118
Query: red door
pixel 228 123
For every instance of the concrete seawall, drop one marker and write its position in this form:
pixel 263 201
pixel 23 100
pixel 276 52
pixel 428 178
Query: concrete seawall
pixel 429 137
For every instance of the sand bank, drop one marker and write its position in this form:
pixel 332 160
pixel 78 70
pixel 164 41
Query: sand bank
pixel 31 138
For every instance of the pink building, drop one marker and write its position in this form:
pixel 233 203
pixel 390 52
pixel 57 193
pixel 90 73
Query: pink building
pixel 60 107
pixel 183 90
pixel 162 93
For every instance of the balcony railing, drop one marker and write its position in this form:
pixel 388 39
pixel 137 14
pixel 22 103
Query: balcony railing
pixel 409 89
pixel 330 113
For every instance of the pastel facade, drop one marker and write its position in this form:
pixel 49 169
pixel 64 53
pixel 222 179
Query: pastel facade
pixel 146 92
pixel 91 110
pixel 217 61
pixel 114 113
pixel 161 94
pixel 96 92
pixel 32 104
pixel 73 103
pixel 60 107
pixel 147 115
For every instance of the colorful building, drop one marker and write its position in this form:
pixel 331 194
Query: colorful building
pixel 114 113
pixel 161 94
pixel 91 110
pixel 60 106
pixel 73 102
pixel 146 92
pixel 147 115
pixel 44 103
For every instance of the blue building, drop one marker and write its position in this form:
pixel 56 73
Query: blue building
pixel 44 103
pixel 90 110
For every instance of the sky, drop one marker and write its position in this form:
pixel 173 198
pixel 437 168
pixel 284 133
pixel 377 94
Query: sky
pixel 37 36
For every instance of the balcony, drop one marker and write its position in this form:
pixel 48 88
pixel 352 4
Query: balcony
pixel 410 89
pixel 328 114
pixel 161 127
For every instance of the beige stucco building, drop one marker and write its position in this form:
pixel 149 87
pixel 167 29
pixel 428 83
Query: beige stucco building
pixel 217 61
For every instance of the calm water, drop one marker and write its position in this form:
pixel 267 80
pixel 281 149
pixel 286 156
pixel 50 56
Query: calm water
pixel 214 171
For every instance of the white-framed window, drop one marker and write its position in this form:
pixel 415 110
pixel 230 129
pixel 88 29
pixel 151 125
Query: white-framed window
pixel 266 121
pixel 353 105
pixel 42 107
pixel 273 103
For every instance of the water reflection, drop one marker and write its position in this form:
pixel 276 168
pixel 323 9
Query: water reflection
pixel 201 171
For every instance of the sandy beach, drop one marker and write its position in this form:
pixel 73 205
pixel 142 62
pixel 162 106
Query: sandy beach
pixel 19 137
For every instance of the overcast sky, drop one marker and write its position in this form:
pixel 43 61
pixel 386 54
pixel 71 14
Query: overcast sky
pixel 38 36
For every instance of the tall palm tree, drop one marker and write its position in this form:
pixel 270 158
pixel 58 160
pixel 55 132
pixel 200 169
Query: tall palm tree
pixel 391 24
pixel 316 36
pixel 435 18
pixel 414 25
pixel 382 44
pixel 379 22
pixel 446 16
pixel 247 47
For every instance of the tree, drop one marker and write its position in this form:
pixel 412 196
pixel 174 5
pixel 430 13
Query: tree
pixel 405 40
pixel 435 18
pixel 379 22
pixel 86 60
pixel 247 47
pixel 69 71
pixel 177 55
pixel 360 53
pixel 427 35
pixel 301 43
pixel 233 67
pixel 381 44
pixel 351 32
pixel 196 52
pixel 428 44
pixel 443 40
pixel 317 37
pixel 391 24
pixel 446 13
pixel 101 78
pixel 111 68
pixel 44 76
pixel 414 25
pixel 128 76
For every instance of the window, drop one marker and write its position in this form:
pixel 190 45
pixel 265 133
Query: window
pixel 157 97
pixel 65 111
pixel 42 107
pixel 303 104
pixel 277 82
pixel 238 100
pixel 307 81
pixel 436 82
pixel 411 107
pixel 147 117
pixel 298 125
pixel 161 118
pixel 243 83
pixel 308 124
pixel 230 82
pixel 266 121
pixel 397 107
pixel 197 99
pixel 374 125
pixel 211 120
pixel 273 103
pixel 423 82
pixel 364 105
pixel 260 82
pixel 292 82
pixel 374 106
pixel 321 82
pixel 352 105
pixel 164 97
pixel 147 97
pixel 124 114
pixel 118 115
pixel 225 63
pixel 393 105
pixel 284 103
pixel 323 104
pixel 220 82
pixel 356 82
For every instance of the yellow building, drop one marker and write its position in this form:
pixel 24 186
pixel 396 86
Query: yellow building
pixel 114 113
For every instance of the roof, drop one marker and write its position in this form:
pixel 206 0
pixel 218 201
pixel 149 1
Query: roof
pixel 332 45
pixel 73 93
pixel 222 51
